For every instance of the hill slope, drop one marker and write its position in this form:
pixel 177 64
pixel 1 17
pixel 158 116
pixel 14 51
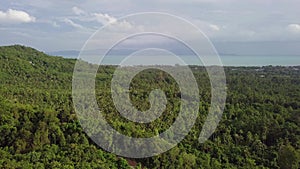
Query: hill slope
pixel 37 124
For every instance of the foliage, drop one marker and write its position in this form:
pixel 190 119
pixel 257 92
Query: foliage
pixel 39 128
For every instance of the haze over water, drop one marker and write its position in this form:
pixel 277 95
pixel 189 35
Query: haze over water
pixel 230 60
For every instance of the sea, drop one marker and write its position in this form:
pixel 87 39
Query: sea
pixel 225 60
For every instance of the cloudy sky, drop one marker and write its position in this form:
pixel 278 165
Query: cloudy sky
pixel 234 26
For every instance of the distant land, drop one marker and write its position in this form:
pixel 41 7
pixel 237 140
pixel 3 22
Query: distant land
pixel 118 52
pixel 279 48
pixel 117 55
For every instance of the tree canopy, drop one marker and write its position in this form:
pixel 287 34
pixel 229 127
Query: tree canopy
pixel 39 127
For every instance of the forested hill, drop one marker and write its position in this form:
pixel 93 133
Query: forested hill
pixel 260 127
pixel 31 66
pixel 38 127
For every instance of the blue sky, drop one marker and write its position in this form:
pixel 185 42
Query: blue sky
pixel 234 26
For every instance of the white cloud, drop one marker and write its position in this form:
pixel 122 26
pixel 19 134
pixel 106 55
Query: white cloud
pixel 123 26
pixel 214 27
pixel 49 22
pixel 208 28
pixel 294 28
pixel 12 16
pixel 75 25
pixel 77 10
pixel 104 18
pixel 113 23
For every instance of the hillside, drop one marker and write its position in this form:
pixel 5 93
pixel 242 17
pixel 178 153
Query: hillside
pixel 37 124
pixel 260 127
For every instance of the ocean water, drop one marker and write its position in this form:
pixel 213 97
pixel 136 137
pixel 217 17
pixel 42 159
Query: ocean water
pixel 227 60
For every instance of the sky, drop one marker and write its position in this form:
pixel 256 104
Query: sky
pixel 269 27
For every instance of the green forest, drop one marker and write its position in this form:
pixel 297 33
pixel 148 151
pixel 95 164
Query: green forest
pixel 260 126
